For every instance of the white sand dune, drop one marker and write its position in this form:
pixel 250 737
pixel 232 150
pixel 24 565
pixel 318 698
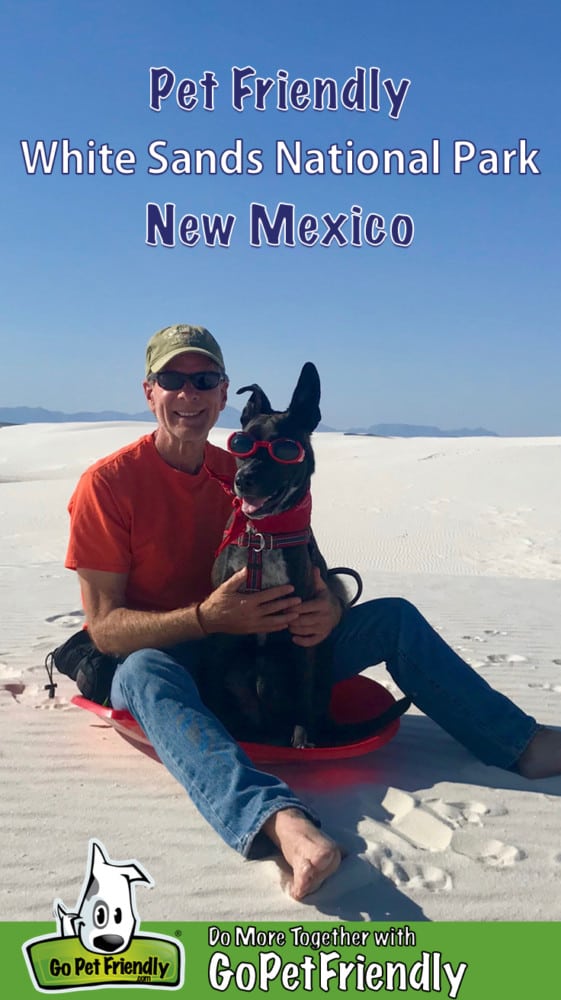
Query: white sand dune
pixel 469 530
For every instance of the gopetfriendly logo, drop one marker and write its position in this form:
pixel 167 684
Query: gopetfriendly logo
pixel 96 944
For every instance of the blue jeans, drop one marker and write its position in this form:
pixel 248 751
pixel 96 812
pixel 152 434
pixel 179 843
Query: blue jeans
pixel 237 798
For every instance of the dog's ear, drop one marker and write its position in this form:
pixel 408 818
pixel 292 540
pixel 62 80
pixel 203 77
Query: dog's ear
pixel 256 404
pixel 304 405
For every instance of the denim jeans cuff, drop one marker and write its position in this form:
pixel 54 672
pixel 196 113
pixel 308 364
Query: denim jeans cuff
pixel 514 766
pixel 258 845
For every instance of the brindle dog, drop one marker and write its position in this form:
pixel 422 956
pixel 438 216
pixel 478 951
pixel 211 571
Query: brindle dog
pixel 264 687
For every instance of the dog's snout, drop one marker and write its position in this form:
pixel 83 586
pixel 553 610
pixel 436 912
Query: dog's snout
pixel 245 477
pixel 108 942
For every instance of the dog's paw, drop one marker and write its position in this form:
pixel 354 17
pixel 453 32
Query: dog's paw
pixel 300 738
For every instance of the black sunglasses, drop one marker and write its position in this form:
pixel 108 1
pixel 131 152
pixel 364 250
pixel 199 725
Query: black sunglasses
pixel 283 450
pixel 174 381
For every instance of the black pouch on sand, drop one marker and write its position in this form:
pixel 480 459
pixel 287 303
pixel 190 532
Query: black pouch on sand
pixel 80 660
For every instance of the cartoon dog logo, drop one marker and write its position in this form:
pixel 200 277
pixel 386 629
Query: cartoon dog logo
pixel 104 922
pixel 105 918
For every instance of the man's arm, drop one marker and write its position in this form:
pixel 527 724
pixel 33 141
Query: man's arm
pixel 119 630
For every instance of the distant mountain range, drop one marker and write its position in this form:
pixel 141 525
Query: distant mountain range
pixel 37 415
pixel 229 417
pixel 417 430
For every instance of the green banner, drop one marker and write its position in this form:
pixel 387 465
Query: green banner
pixel 473 961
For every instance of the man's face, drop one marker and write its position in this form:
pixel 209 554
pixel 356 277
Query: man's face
pixel 187 414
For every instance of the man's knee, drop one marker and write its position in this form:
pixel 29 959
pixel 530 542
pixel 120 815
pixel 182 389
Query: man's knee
pixel 130 674
pixel 399 611
pixel 143 671
pixel 401 623
pixel 406 609
pixel 386 620
pixel 133 666
pixel 147 671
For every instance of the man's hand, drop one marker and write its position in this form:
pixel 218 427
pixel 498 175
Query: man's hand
pixel 317 617
pixel 237 613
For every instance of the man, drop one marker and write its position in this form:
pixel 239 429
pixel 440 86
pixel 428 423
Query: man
pixel 145 523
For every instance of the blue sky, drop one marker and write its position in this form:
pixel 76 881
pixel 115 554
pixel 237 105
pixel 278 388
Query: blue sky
pixel 461 328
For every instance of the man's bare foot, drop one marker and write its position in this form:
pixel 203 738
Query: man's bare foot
pixel 542 756
pixel 312 856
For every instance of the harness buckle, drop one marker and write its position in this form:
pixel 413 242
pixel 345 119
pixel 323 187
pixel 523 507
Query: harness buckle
pixel 258 537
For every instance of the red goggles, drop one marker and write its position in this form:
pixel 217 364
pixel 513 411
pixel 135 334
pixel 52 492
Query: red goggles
pixel 282 450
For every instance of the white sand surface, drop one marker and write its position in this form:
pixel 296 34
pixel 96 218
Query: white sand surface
pixel 469 530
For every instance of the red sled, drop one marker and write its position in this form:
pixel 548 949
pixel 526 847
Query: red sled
pixel 353 700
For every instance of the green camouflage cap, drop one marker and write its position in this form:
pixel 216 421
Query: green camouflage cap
pixel 168 343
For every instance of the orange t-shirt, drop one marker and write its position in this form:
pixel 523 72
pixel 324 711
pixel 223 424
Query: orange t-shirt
pixel 132 513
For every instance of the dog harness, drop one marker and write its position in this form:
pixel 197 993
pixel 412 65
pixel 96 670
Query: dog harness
pixel 286 530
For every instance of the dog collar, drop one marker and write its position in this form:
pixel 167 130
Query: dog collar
pixel 290 527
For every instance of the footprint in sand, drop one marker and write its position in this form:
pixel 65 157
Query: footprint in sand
pixel 71 620
pixel 491 853
pixel 13 689
pixel 461 813
pixel 505 658
pixel 409 874
pixel 556 688
pixel 57 704
pixel 557 663
pixel 427 877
